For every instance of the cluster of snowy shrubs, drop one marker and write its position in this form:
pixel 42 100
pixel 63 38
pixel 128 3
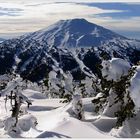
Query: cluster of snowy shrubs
pixel 61 84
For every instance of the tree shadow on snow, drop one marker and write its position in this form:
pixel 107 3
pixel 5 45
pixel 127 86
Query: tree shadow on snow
pixel 48 134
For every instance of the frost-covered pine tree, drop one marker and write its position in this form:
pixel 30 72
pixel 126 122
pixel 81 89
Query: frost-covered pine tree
pixel 68 86
pixel 4 79
pixel 87 87
pixel 119 96
pixel 60 85
pixel 15 99
pixel 52 84
pixel 77 106
pixel 114 99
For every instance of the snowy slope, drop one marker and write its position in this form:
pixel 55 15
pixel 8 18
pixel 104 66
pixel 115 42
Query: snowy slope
pixel 55 120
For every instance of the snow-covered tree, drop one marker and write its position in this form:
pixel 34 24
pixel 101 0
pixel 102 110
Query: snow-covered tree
pixel 54 84
pixel 119 96
pixel 77 106
pixel 87 87
pixel 15 99
pixel 4 79
pixel 129 113
pixel 114 99
pixel 60 85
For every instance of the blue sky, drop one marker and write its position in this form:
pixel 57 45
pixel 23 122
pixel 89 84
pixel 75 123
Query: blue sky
pixel 128 10
pixel 21 16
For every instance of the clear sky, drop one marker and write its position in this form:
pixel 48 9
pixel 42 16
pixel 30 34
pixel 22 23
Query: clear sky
pixel 21 16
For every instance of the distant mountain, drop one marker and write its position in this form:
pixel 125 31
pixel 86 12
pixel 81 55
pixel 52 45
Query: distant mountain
pixel 74 33
pixel 69 45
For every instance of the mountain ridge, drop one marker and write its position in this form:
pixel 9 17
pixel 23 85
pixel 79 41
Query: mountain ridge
pixel 2 39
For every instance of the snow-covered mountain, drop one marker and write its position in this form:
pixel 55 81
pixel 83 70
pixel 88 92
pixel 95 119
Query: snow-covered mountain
pixel 73 85
pixel 69 45
pixel 74 33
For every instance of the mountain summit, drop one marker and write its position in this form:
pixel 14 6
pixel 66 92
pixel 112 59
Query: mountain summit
pixel 74 33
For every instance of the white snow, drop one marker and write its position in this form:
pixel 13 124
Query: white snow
pixel 115 68
pixel 134 88
pixel 50 118
pixel 55 120
pixel 88 72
